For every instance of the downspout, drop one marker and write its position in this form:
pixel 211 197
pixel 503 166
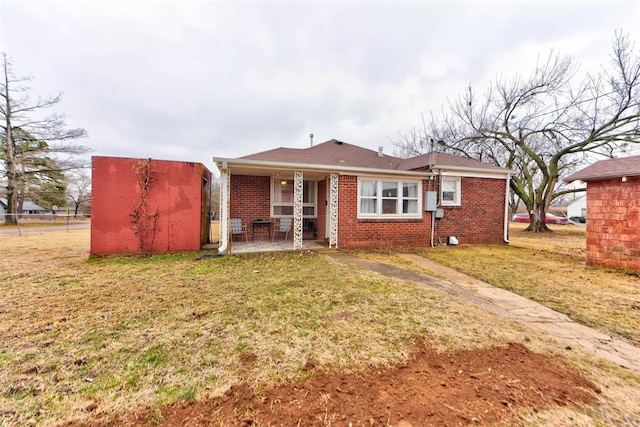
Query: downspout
pixel 433 227
pixel 436 177
pixel 506 210
pixel 224 209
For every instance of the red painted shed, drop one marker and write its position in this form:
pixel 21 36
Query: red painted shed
pixel 146 205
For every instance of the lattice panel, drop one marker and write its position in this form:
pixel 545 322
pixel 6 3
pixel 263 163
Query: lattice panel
pixel 297 209
pixel 333 211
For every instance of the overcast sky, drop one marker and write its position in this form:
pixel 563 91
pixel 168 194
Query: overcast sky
pixel 190 80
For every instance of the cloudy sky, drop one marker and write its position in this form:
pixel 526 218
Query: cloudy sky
pixel 189 80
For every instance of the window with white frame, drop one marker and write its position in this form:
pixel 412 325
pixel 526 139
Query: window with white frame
pixel 388 198
pixel 282 198
pixel 450 191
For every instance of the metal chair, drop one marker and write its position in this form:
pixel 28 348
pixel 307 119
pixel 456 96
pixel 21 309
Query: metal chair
pixel 284 226
pixel 237 227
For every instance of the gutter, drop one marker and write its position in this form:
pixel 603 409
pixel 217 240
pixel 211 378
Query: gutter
pixel 267 164
pixel 309 167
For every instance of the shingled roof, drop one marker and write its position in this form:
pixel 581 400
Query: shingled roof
pixel 338 153
pixel 608 169
pixel 332 152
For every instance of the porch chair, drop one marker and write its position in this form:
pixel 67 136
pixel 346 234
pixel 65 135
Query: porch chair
pixel 238 228
pixel 284 226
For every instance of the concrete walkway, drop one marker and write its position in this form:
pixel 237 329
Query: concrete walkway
pixel 510 305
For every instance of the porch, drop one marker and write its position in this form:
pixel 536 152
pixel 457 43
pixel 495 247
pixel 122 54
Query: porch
pixel 242 247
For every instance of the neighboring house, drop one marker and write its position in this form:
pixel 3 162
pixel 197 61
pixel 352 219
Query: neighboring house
pixel 145 205
pixel 613 203
pixel 578 208
pixel 33 209
pixel 28 208
pixel 359 198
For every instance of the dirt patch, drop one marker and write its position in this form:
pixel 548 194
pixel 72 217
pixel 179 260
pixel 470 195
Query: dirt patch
pixel 478 387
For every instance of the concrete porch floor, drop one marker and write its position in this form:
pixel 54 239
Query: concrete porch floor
pixel 241 247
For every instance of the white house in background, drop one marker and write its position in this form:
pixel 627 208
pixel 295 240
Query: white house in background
pixel 28 208
pixel 578 207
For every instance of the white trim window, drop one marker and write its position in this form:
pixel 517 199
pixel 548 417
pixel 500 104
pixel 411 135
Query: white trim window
pixel 389 198
pixel 282 198
pixel 450 191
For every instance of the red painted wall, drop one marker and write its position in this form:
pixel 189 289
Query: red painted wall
pixel 613 223
pixel 479 220
pixel 175 194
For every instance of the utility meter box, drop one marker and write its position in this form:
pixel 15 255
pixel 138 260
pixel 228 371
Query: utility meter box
pixel 430 201
pixel 439 213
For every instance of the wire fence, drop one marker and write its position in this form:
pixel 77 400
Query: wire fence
pixel 41 219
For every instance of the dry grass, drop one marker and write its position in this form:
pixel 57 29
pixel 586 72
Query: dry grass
pixel 117 333
pixel 551 269
pixel 127 331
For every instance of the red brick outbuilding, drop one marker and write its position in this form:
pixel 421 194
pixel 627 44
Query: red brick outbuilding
pixel 353 197
pixel 613 212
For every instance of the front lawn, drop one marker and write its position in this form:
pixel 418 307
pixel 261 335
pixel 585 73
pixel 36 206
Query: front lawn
pixel 551 269
pixel 85 339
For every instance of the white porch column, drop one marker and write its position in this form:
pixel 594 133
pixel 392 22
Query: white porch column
pixel 333 211
pixel 297 210
pixel 225 180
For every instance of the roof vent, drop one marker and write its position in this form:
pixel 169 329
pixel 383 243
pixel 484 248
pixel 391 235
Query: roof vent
pixel 338 142
pixel 380 154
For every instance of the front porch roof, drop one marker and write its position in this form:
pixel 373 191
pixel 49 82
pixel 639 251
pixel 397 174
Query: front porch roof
pixel 265 167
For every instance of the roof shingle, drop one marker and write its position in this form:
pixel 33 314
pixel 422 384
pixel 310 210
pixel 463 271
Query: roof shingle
pixel 607 169
pixel 338 153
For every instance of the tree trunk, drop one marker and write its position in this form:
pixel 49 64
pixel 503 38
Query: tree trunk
pixel 539 220
pixel 12 195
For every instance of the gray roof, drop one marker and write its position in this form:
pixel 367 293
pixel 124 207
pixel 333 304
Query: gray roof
pixel 338 153
pixel 26 206
pixel 607 169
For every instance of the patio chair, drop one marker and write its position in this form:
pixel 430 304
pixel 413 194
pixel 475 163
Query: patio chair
pixel 284 226
pixel 237 227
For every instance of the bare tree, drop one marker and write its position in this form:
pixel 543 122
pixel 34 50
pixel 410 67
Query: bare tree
pixel 79 191
pixel 543 126
pixel 33 144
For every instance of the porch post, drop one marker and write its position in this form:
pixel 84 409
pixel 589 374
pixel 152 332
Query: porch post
pixel 297 210
pixel 225 245
pixel 333 211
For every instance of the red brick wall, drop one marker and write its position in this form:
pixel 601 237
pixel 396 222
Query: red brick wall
pixel 250 200
pixel 613 223
pixel 356 233
pixel 323 204
pixel 479 219
pixel 174 194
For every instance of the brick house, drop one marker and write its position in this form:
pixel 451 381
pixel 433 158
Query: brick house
pixel 353 197
pixel 613 203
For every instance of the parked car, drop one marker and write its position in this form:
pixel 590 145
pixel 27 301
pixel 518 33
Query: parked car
pixel 551 219
pixel 578 219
